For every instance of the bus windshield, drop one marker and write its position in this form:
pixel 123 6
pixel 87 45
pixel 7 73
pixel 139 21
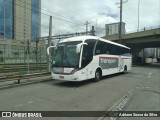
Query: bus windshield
pixel 65 55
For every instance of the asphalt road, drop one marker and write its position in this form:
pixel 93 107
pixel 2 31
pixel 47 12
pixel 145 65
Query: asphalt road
pixel 138 90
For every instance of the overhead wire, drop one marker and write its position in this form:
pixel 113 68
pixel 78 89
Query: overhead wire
pixel 54 13
pixel 76 22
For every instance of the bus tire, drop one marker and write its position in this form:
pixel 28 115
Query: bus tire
pixel 98 75
pixel 125 69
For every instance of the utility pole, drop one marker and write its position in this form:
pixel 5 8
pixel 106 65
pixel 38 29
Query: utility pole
pixel 120 23
pixel 93 31
pixel 87 23
pixel 49 44
pixel 28 55
pixel 138 14
pixel 96 27
pixel 4 29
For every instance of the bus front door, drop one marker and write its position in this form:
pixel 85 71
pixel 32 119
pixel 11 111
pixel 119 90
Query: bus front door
pixel 86 73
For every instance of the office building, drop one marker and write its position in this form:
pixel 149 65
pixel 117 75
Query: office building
pixel 20 22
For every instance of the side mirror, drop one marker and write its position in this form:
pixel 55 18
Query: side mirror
pixel 49 48
pixel 78 49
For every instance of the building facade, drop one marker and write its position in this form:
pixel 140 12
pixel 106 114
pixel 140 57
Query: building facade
pixel 6 19
pixel 113 28
pixel 20 22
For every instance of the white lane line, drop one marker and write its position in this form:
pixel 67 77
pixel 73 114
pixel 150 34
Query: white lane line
pixel 147 87
pixel 19 105
pixel 30 102
pixel 149 75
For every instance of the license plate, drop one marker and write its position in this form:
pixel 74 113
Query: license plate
pixel 61 77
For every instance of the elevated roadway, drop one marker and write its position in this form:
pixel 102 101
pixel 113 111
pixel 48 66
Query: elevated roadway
pixel 138 40
pixel 143 39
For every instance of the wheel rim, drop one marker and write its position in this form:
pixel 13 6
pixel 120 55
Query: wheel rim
pixel 97 75
pixel 125 69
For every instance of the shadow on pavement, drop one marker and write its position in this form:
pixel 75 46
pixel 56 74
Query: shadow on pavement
pixel 153 65
pixel 82 83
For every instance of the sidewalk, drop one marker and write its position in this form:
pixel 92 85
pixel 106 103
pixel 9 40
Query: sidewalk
pixel 14 83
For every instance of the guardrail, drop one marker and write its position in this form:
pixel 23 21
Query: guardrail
pixel 143 29
pixel 22 77
pixel 4 70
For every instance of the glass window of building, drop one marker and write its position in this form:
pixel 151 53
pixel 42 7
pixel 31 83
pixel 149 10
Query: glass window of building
pixel 35 18
pixel 6 19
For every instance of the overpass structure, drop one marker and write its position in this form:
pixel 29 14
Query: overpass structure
pixel 137 41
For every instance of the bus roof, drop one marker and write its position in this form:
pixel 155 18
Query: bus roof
pixel 83 38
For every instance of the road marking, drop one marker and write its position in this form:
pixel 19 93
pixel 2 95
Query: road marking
pixel 19 105
pixel 150 73
pixel 147 87
pixel 30 102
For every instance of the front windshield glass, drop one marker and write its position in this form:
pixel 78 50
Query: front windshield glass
pixel 65 55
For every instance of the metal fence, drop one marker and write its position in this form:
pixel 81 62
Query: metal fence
pixel 16 59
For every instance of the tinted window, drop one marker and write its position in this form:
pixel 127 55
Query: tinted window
pixel 125 52
pixel 107 48
pixel 100 48
pixel 112 49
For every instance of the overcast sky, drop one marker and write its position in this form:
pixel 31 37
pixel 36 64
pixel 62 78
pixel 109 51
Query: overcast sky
pixel 77 12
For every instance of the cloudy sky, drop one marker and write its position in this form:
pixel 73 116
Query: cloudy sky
pixel 70 16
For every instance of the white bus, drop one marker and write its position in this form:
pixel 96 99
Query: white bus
pixel 86 57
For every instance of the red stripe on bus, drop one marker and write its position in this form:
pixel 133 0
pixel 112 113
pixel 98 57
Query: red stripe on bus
pixel 113 57
pixel 126 58
pixel 108 57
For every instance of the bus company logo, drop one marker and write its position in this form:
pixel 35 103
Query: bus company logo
pixel 107 63
pixel 6 114
pixel 110 61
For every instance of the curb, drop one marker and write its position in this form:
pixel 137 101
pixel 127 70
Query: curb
pixel 24 83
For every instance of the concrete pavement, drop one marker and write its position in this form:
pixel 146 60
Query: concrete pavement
pixel 141 86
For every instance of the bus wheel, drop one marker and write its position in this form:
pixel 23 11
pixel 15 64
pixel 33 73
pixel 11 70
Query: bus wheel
pixel 125 69
pixel 98 75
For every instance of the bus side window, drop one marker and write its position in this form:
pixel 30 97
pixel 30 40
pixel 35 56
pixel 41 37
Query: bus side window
pixel 98 52
pixel 100 48
pixel 107 52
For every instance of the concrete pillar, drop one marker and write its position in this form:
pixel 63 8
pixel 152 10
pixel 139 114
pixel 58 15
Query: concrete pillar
pixel 143 56
pixel 135 54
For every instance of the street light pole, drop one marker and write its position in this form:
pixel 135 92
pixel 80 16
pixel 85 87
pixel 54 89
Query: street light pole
pixel 49 44
pixel 37 41
pixel 138 15
pixel 120 24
